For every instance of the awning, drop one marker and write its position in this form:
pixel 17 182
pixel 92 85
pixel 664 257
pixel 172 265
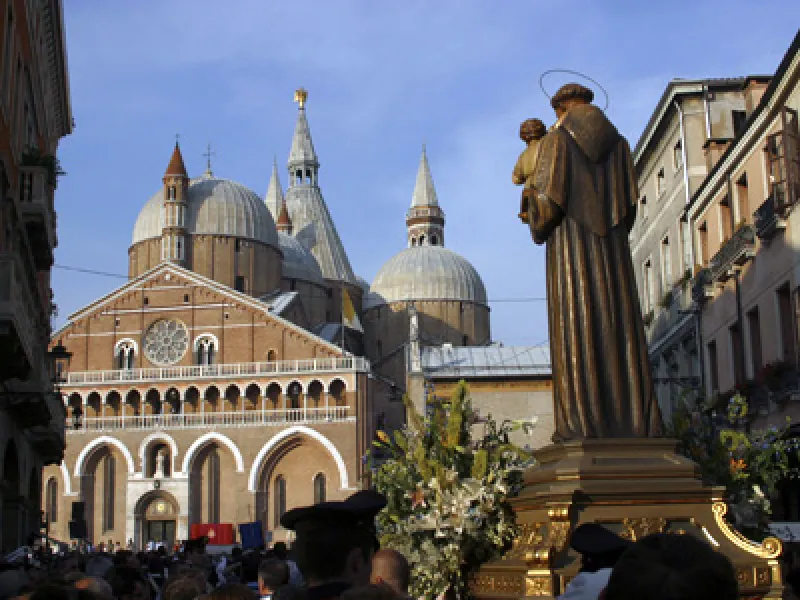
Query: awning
pixel 787 531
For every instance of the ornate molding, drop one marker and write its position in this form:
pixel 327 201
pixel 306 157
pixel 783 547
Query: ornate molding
pixel 635 529
pixel 770 548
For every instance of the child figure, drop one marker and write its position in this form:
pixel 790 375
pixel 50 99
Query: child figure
pixel 530 132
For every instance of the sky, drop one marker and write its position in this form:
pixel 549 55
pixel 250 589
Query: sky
pixel 382 78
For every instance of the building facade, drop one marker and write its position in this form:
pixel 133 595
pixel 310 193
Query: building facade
pixel 692 122
pixel 746 236
pixel 35 114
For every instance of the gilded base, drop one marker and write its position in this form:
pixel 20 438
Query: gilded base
pixel 632 486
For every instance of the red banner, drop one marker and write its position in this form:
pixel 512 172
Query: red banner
pixel 218 534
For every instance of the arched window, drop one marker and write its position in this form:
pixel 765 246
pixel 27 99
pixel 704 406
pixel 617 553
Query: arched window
pixel 272 356
pixel 125 355
pixel 319 488
pixel 434 239
pixel 422 240
pixel 413 241
pixel 109 472
pixel 51 500
pixel 213 486
pixel 280 499
pixel 171 192
pixel 206 350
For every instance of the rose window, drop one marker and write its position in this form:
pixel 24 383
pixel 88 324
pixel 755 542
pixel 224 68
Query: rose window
pixel 166 342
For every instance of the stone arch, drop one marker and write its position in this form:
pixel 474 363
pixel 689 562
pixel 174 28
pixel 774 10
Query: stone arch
pixel 294 395
pixel 302 430
pixel 233 394
pixel 212 396
pixel 159 436
pixel 191 397
pixel 274 392
pixel 203 440
pixel 152 399
pixel 172 399
pixel 134 399
pixel 337 390
pixel 113 401
pixel 315 394
pixel 94 405
pixel 253 395
pixel 67 480
pixel 147 498
pixel 103 440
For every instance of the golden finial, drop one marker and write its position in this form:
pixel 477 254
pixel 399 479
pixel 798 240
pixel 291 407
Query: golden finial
pixel 300 96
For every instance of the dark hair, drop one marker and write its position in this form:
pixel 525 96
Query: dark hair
pixel 532 128
pixel 279 549
pixel 233 591
pixel 793 580
pixel 124 579
pixel 274 573
pixel 182 588
pixel 571 91
pixel 121 557
pixel 322 552
pixel 666 566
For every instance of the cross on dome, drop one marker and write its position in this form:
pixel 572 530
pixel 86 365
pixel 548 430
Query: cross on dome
pixel 208 154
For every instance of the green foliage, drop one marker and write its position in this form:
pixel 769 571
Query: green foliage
pixel 448 509
pixel 748 463
pixel 33 157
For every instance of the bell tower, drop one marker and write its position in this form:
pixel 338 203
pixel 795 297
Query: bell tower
pixel 176 196
pixel 425 218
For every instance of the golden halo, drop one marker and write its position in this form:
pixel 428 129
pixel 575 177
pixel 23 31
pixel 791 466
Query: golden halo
pixel 570 72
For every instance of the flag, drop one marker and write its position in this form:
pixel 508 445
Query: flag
pixel 217 533
pixel 349 316
pixel 251 534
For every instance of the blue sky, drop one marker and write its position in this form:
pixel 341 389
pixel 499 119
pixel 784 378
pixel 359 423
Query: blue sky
pixel 383 77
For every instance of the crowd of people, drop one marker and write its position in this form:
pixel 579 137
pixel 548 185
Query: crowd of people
pixel 336 555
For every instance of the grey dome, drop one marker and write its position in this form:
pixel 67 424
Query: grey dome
pixel 298 263
pixel 426 273
pixel 214 207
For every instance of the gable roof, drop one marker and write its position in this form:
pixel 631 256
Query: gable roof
pixel 267 309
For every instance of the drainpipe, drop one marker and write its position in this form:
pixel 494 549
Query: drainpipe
pixel 706 113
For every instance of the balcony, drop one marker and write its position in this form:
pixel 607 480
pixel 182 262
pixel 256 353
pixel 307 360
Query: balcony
pixel 769 219
pixel 245 418
pixel 49 442
pixel 737 251
pixel 702 286
pixel 38 213
pixel 21 347
pixel 354 364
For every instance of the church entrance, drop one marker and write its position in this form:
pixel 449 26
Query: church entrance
pixel 156 519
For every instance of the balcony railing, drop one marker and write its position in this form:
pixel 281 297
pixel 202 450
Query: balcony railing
pixel 702 286
pixel 739 249
pixel 36 205
pixel 224 371
pixel 19 308
pixel 248 418
pixel 769 218
pixel 424 211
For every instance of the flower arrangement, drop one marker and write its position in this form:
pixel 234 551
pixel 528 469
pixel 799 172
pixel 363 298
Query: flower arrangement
pixel 748 463
pixel 447 492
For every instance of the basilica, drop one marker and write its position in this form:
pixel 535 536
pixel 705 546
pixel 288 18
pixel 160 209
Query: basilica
pixel 244 368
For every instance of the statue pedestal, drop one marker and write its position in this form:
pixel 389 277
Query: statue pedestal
pixel 632 486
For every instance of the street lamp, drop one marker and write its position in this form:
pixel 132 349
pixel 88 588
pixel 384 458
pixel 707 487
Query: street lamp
pixel 59 358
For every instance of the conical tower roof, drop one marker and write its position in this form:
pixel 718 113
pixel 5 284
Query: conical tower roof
pixel 284 222
pixel 311 220
pixel 274 197
pixel 424 191
pixel 176 166
pixel 302 151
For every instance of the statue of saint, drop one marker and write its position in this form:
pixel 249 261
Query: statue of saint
pixel 581 203
pixel 160 459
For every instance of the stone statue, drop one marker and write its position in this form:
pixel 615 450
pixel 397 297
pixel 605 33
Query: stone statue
pixel 160 458
pixel 530 132
pixel 581 203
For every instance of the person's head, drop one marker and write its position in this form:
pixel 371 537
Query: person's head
pixel 279 549
pixel 183 588
pixel 99 588
pixel 391 568
pixel 129 584
pixel 569 95
pixel 531 129
pixel 233 591
pixel 272 574
pixel 335 541
pixel 374 591
pixel 666 566
pixel 98 566
pixel 791 589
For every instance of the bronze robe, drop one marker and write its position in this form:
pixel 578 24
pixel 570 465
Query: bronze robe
pixel 582 205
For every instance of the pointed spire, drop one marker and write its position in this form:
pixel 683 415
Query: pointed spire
pixel 274 198
pixel 176 166
pixel 302 147
pixel 284 223
pixel 424 192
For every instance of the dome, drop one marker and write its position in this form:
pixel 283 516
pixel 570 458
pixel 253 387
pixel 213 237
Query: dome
pixel 426 273
pixel 214 207
pixel 299 263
